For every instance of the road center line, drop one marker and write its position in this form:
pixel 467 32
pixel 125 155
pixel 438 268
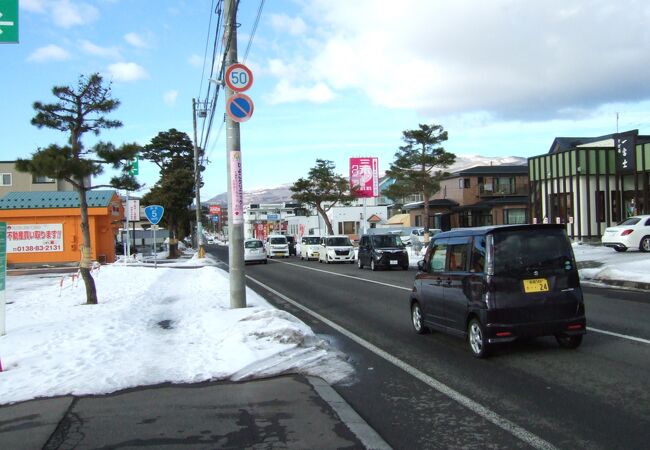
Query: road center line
pixel 595 330
pixel 345 276
pixel 503 423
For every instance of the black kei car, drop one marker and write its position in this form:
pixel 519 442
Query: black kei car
pixel 499 283
pixel 382 250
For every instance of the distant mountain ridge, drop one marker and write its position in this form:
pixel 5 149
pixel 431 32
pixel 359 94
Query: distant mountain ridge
pixel 282 193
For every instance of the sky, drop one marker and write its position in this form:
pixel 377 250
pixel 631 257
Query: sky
pixel 158 325
pixel 334 79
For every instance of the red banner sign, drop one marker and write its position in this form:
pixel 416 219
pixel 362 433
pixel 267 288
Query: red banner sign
pixel 215 210
pixel 364 174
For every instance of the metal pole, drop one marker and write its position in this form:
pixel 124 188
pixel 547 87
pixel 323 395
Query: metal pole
pixel 127 248
pixel 197 187
pixel 235 194
pixel 155 248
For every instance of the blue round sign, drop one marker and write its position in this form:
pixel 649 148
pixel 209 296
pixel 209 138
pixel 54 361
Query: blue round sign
pixel 239 107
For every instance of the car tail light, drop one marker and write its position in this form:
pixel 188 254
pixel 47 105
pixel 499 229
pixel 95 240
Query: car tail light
pixel 626 232
pixel 504 334
pixel 575 326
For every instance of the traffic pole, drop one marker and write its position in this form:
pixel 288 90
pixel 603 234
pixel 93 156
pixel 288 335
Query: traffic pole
pixel 197 188
pixel 233 158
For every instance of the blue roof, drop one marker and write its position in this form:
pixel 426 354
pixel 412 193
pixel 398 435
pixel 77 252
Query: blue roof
pixel 40 200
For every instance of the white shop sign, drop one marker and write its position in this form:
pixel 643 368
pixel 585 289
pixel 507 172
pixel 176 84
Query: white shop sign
pixel 42 237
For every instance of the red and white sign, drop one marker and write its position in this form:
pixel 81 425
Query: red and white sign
pixel 236 189
pixel 41 237
pixel 364 174
pixel 133 210
pixel 215 210
pixel 239 78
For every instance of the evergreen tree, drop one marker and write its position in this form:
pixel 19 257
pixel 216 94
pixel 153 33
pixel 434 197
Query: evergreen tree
pixel 173 152
pixel 322 190
pixel 79 111
pixel 419 165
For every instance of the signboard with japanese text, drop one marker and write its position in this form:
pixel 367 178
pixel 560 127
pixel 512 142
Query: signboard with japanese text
pixel 625 145
pixel 35 238
pixel 3 276
pixel 133 210
pixel 364 174
pixel 236 188
pixel 215 210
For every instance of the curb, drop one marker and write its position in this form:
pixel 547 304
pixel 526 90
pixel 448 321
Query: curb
pixel 366 434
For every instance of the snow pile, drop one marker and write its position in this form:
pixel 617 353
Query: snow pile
pixel 150 326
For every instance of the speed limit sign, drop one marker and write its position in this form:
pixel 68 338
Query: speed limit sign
pixel 239 77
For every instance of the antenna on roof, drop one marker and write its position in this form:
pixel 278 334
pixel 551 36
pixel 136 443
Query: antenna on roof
pixel 617 122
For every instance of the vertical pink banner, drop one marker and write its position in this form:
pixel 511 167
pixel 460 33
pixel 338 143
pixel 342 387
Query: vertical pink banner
pixel 364 174
pixel 236 188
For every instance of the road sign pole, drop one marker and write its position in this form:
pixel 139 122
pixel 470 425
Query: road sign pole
pixel 155 248
pixel 235 194
pixel 197 187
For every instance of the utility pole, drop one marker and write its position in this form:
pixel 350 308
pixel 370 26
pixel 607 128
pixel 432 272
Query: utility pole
pixel 235 193
pixel 197 187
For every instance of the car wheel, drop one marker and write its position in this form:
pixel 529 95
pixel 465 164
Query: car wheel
pixel 416 319
pixel 359 263
pixel 570 342
pixel 644 246
pixel 327 259
pixel 405 267
pixel 620 249
pixel 373 266
pixel 266 261
pixel 476 338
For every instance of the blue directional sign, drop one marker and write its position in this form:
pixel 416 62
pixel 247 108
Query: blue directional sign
pixel 215 219
pixel 239 107
pixel 154 213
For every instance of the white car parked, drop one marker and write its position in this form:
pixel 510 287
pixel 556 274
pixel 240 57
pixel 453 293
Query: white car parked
pixel 310 247
pixel 336 249
pixel 634 232
pixel 277 245
pixel 254 251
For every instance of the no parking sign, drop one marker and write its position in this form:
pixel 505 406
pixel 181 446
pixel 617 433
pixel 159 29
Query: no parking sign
pixel 239 107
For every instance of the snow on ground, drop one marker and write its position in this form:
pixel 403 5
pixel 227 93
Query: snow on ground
pixel 174 324
pixel 150 326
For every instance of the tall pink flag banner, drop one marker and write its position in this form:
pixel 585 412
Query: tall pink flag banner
pixel 364 173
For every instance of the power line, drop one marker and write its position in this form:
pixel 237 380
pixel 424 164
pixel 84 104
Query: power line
pixel 205 52
pixel 257 21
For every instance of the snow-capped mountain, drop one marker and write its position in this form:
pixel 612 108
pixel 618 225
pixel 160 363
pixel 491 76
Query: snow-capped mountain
pixel 282 193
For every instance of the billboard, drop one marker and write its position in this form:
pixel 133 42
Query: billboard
pixel 364 174
pixel 41 237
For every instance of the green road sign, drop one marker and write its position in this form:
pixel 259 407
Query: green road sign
pixel 9 21
pixel 134 166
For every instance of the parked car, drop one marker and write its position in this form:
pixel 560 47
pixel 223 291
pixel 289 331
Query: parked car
pixel 411 235
pixel 336 249
pixel 382 251
pixel 291 240
pixel 496 284
pixel 634 232
pixel 254 251
pixel 310 247
pixel 277 245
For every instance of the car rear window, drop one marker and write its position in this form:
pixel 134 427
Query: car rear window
pixel 253 244
pixel 340 241
pixel 535 249
pixel 278 240
pixel 311 240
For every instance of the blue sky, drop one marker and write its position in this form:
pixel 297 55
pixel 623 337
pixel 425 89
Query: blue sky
pixel 335 78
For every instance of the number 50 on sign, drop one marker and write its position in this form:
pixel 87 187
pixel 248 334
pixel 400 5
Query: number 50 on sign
pixel 239 77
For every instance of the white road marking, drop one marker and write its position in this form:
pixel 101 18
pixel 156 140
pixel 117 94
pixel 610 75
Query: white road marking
pixel 622 336
pixel 503 423
pixel 345 276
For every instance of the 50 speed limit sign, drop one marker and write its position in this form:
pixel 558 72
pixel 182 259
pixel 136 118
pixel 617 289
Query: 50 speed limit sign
pixel 239 77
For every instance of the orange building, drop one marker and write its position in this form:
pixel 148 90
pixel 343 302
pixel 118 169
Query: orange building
pixel 45 227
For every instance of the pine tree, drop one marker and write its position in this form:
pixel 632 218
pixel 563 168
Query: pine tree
pixel 419 165
pixel 79 111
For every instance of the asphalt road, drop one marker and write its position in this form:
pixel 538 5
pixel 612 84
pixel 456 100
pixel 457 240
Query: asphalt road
pixel 429 392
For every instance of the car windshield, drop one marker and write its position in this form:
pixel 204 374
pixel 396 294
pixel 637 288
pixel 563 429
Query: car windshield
pixel 339 241
pixel 387 240
pixel 253 244
pixel 631 221
pixel 278 240
pixel 312 240
pixel 525 250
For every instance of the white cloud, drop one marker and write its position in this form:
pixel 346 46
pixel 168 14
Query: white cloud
pixel 136 40
pixel 103 52
pixel 169 97
pixel 286 92
pixel 33 5
pixel 67 14
pixel 195 60
pixel 127 72
pixel 49 53
pixel 285 24
pixel 507 58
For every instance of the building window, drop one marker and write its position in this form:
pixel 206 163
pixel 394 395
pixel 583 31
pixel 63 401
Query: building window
pixel 514 216
pixel 600 206
pixel 42 179
pixel 463 183
pixel 6 179
pixel 418 221
pixel 348 227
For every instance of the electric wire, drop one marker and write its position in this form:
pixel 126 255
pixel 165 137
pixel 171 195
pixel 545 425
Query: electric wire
pixel 252 36
pixel 205 52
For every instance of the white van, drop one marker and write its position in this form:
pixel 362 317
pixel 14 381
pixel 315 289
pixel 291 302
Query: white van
pixel 310 247
pixel 277 245
pixel 336 249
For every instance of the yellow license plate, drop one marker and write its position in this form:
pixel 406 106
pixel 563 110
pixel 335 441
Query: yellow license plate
pixel 536 285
